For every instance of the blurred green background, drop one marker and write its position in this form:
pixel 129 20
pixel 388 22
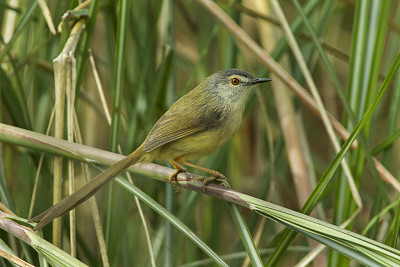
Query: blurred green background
pixel 169 46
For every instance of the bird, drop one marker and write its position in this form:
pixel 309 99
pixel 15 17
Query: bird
pixel 195 126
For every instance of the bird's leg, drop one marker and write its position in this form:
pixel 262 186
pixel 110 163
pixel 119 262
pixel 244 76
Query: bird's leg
pixel 173 178
pixel 214 174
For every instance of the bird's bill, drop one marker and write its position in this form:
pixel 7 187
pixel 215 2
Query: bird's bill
pixel 260 80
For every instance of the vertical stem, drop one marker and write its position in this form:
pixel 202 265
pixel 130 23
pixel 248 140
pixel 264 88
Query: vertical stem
pixel 117 98
pixel 71 75
pixel 59 133
pixel 168 8
pixel 64 78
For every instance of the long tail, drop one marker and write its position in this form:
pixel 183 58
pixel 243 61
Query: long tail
pixel 87 190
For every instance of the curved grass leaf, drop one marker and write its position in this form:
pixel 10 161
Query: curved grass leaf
pixel 355 246
pixel 53 254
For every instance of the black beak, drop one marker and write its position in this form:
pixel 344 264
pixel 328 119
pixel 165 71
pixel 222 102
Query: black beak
pixel 260 80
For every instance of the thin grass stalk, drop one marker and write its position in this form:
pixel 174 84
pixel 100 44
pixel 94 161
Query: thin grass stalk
pixel 168 240
pixel 47 16
pixel 379 25
pixel 3 246
pixel 4 192
pixel 356 60
pixel 39 168
pixel 245 235
pixel 116 102
pixel 230 49
pixel 99 87
pixel 392 237
pixel 374 220
pixel 60 83
pixel 393 234
pixel 146 230
pixel 386 144
pixel 86 42
pixel 395 103
pixel 119 76
pixel 295 27
pixel 23 23
pixel 17 94
pixel 70 92
pixel 168 21
pixel 14 259
pixel 93 204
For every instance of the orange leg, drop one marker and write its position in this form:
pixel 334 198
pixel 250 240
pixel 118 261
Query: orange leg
pixel 173 179
pixel 215 174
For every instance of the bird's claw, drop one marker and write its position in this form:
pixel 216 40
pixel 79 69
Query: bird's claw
pixel 221 178
pixel 173 178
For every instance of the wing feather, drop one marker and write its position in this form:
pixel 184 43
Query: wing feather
pixel 179 122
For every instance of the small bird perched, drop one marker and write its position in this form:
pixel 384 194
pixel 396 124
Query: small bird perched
pixel 195 126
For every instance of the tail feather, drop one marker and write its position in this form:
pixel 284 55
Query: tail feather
pixel 88 190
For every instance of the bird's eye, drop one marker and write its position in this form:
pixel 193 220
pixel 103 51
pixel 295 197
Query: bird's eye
pixel 235 81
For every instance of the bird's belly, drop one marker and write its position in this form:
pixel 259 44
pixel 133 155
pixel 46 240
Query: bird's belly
pixel 193 146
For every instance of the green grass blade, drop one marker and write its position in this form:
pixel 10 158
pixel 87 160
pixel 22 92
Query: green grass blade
pixel 386 143
pixel 172 219
pixel 116 103
pixel 282 44
pixel 25 19
pixel 86 43
pixel 119 75
pixel 245 236
pixel 357 247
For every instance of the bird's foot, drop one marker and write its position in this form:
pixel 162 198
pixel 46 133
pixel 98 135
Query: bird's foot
pixel 217 177
pixel 173 178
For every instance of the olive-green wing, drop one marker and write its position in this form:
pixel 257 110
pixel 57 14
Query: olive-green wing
pixel 179 122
